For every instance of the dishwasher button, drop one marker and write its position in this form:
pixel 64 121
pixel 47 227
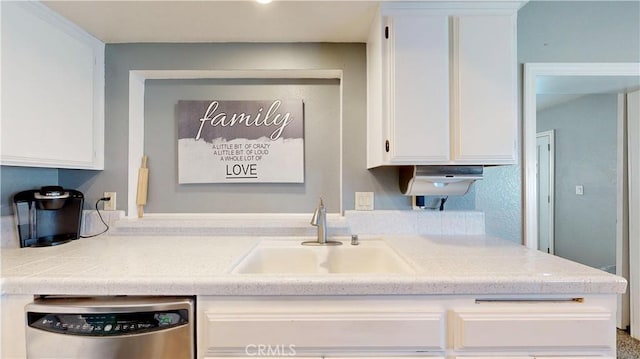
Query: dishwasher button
pixel 107 327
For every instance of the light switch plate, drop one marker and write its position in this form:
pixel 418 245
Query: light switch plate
pixel 580 190
pixel 364 201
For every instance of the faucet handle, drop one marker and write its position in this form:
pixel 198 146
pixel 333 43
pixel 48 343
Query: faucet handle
pixel 317 213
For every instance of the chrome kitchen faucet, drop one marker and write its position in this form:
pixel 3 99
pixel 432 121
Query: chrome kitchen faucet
pixel 319 220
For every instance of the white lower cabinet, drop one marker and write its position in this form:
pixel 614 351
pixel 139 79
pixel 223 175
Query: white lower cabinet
pixel 267 354
pixel 449 327
pixel 318 327
pixel 532 327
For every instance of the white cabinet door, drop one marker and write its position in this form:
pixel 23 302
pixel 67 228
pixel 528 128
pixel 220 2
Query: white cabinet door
pixel 326 326
pixel 265 353
pixel 533 328
pixel 449 88
pixel 484 109
pixel 52 90
pixel 418 88
pixel 306 332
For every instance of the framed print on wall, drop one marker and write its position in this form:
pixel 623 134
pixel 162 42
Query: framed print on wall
pixel 241 141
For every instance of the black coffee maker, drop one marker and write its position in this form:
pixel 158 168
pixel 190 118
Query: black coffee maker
pixel 49 216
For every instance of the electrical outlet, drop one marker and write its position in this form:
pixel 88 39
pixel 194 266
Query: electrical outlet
pixel 110 205
pixel 364 201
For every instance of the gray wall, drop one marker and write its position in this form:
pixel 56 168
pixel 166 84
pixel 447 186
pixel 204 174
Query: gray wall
pixel 322 153
pixel 579 31
pixel 554 31
pixel 350 58
pixel 557 31
pixel 586 148
pixel 16 179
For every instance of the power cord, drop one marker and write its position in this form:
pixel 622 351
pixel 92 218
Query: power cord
pixel 437 206
pixel 102 219
pixel 442 202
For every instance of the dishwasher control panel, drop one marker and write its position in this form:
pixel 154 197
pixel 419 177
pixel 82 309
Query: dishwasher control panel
pixel 107 324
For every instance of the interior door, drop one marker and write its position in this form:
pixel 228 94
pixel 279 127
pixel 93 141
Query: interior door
pixel 545 190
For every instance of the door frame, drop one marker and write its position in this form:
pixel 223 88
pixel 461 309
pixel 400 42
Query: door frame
pixel 622 224
pixel 633 127
pixel 530 205
pixel 552 185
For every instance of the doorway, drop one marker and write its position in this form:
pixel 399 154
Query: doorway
pixel 588 78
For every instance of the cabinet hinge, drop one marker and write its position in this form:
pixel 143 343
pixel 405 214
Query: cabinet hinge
pixel 386 32
pixel 549 147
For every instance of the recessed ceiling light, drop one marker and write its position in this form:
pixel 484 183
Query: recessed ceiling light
pixel 263 1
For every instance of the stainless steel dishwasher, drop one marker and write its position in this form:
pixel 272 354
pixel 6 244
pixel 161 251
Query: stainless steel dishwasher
pixel 110 327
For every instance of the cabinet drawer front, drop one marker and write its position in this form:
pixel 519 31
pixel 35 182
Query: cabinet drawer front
pixel 533 329
pixel 337 332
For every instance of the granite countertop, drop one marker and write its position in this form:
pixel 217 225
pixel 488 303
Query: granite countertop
pixel 201 265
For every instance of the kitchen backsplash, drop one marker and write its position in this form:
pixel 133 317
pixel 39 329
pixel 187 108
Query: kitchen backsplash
pixel 416 222
pixel 353 222
pixel 91 224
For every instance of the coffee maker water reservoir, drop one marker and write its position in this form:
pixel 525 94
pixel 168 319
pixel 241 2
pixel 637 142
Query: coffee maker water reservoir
pixel 48 216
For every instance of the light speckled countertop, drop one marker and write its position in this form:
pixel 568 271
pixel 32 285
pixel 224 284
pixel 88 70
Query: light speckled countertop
pixel 201 265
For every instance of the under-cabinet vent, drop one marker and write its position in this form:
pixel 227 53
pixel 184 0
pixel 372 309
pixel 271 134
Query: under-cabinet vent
pixel 438 180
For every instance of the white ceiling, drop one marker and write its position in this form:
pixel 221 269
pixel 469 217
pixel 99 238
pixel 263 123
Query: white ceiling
pixel 220 21
pixel 114 21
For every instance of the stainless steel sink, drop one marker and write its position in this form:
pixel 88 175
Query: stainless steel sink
pixel 290 257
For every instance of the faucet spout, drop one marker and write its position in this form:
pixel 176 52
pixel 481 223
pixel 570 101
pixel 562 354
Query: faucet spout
pixel 319 219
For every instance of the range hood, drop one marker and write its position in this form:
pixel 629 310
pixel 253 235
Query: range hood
pixel 438 180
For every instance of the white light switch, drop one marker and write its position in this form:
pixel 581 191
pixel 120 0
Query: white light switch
pixel 580 190
pixel 364 201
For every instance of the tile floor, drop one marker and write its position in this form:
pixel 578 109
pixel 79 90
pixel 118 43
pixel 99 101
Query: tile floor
pixel 628 347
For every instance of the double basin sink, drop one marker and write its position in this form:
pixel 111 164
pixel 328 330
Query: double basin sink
pixel 274 256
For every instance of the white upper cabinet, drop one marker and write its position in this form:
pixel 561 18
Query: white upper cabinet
pixel 485 97
pixel 442 85
pixel 417 91
pixel 52 90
